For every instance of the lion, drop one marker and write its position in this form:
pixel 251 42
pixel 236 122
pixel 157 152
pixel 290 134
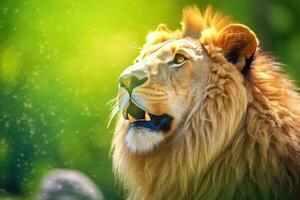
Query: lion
pixel 206 114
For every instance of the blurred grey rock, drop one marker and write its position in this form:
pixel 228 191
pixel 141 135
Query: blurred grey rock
pixel 65 184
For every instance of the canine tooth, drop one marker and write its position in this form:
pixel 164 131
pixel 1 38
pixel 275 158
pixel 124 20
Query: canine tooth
pixel 131 119
pixel 147 116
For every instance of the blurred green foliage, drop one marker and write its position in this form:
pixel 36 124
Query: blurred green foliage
pixel 59 64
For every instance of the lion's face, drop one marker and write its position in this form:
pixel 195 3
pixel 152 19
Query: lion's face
pixel 159 94
pixel 155 93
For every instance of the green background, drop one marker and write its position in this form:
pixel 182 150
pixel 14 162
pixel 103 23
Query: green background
pixel 59 64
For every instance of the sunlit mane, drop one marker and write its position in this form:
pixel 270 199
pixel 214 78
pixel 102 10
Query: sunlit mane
pixel 194 22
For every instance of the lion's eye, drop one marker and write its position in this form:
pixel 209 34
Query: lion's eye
pixel 179 59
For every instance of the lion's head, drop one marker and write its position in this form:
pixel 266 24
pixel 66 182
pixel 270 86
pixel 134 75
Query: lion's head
pixel 194 105
pixel 172 77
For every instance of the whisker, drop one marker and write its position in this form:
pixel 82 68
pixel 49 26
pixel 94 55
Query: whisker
pixel 111 102
pixel 114 110
pixel 136 46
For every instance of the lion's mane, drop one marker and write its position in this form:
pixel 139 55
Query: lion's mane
pixel 261 160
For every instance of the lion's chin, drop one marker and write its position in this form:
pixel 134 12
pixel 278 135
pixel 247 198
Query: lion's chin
pixel 143 140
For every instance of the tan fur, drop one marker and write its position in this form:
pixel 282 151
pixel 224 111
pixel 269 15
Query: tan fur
pixel 241 141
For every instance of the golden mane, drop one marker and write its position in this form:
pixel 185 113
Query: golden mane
pixel 194 22
pixel 261 160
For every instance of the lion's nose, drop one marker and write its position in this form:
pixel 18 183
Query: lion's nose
pixel 131 81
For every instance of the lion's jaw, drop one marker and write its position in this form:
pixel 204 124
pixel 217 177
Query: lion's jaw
pixel 157 107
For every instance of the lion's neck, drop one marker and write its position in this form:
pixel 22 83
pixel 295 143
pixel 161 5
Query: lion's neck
pixel 244 168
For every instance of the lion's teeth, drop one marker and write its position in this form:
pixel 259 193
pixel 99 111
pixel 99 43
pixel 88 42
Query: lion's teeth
pixel 131 119
pixel 147 117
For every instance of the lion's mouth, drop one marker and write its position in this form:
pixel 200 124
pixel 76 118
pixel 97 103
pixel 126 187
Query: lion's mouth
pixel 141 118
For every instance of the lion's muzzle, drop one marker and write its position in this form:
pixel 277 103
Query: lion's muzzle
pixel 132 109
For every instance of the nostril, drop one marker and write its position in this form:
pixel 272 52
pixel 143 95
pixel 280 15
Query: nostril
pixel 125 81
pixel 131 82
pixel 137 82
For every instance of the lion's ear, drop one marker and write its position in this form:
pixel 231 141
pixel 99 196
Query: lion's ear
pixel 237 41
pixel 163 27
pixel 161 34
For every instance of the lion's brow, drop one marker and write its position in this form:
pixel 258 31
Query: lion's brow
pixel 156 47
